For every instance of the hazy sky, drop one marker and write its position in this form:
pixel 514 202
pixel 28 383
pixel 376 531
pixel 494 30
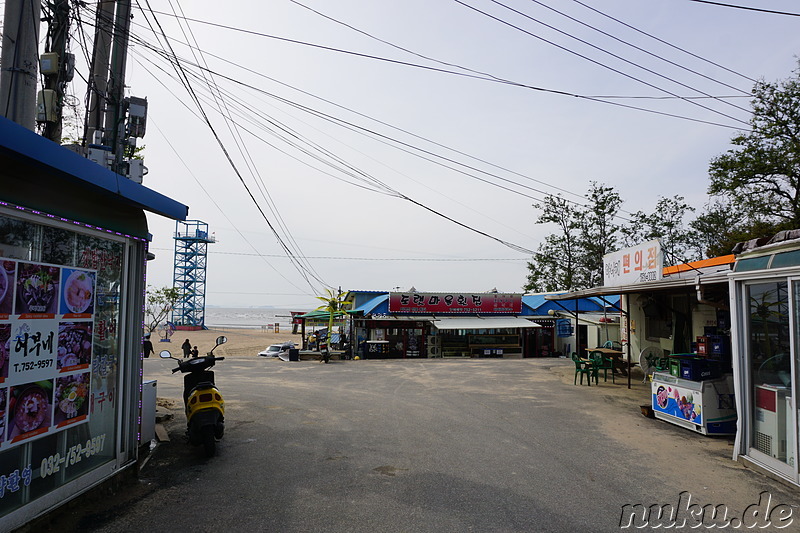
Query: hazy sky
pixel 339 149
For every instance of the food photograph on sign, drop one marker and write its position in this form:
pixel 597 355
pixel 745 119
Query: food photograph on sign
pixel 37 288
pixel 74 345
pixel 7 274
pixel 78 292
pixel 71 398
pixel 30 409
pixel 5 350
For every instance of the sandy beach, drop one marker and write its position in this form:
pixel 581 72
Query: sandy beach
pixel 242 342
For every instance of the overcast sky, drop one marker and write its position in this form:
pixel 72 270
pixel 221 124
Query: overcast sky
pixel 355 153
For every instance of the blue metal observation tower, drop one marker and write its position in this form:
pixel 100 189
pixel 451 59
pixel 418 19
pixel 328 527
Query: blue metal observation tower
pixel 189 275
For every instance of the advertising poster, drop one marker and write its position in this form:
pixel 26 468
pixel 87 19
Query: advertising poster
pixel 678 402
pixel 46 342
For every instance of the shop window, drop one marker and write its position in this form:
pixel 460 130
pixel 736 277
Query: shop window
pixel 752 263
pixel 770 366
pixel 78 386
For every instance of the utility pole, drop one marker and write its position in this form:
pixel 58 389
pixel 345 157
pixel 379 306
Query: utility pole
pixel 98 83
pixel 114 135
pixel 19 62
pixel 57 67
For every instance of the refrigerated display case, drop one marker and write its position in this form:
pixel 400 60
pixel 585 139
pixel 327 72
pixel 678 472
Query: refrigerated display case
pixel 706 407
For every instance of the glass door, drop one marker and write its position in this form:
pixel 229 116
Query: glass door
pixel 772 325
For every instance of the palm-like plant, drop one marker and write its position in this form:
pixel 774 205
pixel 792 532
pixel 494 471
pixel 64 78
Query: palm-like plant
pixel 334 305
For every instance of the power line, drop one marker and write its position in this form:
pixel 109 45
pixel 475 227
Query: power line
pixel 374 259
pixel 636 47
pixel 484 77
pixel 304 272
pixel 662 41
pixel 762 10
pixel 587 58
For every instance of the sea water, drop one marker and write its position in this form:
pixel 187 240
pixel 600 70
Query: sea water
pixel 248 317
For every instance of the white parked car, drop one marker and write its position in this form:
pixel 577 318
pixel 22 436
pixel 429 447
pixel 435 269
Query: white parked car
pixel 273 350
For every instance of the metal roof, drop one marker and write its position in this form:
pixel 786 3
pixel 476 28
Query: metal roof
pixel 22 146
pixel 691 278
pixel 484 323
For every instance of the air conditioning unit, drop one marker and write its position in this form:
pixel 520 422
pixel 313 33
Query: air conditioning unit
pixel 770 421
pixel 434 347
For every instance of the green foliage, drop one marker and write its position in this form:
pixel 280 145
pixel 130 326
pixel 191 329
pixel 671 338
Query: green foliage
pixel 666 223
pixel 760 176
pixel 159 303
pixel 334 305
pixel 572 258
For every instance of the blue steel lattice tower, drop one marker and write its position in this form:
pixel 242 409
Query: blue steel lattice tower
pixel 189 276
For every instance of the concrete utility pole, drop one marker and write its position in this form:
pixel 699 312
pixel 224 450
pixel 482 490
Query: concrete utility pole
pixel 19 62
pixel 98 83
pixel 114 135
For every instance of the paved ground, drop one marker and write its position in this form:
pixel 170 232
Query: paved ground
pixel 431 445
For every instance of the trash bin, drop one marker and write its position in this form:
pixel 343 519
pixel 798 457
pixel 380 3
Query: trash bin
pixel 294 354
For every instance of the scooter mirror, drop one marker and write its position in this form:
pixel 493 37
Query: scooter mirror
pixel 222 339
pixel 164 354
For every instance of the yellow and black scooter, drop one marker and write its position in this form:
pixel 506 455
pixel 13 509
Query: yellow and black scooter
pixel 205 408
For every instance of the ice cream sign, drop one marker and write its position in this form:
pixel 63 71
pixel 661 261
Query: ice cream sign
pixel 46 335
pixel 638 264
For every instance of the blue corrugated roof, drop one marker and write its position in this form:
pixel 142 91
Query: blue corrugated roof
pixel 537 305
pixel 379 305
pixel 21 143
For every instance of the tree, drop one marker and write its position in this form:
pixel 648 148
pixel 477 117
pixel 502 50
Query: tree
pixel 599 232
pixel 554 265
pixel 761 175
pixel 334 306
pixel 572 258
pixel 665 223
pixel 158 305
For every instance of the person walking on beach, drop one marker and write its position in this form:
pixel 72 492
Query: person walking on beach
pixel 147 346
pixel 187 348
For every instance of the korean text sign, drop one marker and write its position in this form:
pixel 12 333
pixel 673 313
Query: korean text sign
pixel 450 302
pixel 46 341
pixel 638 264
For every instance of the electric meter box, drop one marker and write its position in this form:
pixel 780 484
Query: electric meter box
pixel 46 106
pixel 48 63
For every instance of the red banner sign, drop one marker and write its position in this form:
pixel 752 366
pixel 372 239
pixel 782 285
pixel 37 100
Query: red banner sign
pixel 430 303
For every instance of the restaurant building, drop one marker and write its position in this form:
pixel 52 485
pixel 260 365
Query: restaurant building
pixel 664 310
pixel 487 324
pixel 73 250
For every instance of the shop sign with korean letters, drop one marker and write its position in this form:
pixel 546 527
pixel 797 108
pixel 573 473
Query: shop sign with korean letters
pixel 638 264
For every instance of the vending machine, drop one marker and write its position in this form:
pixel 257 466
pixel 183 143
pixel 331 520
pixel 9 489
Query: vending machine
pixel 706 407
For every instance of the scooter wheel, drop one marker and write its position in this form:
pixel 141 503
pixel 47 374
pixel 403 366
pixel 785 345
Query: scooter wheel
pixel 209 441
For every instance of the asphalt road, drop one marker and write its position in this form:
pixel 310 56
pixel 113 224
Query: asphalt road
pixel 432 445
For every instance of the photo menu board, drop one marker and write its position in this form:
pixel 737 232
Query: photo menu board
pixel 46 334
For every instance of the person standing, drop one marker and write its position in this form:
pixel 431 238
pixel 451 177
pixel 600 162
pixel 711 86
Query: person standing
pixel 187 348
pixel 147 346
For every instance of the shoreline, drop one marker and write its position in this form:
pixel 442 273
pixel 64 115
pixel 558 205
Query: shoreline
pixel 242 341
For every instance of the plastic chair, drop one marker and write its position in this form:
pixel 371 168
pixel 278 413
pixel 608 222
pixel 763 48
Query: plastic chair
pixel 582 368
pixel 601 362
pixel 614 345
